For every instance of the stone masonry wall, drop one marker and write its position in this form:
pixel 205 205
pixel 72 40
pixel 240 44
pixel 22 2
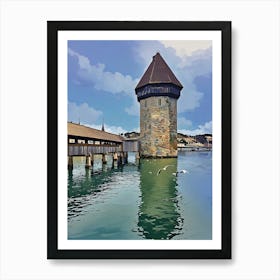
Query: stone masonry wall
pixel 158 127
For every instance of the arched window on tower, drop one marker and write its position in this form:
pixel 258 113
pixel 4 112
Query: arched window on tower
pixel 159 102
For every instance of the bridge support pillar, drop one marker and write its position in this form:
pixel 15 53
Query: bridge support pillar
pixel 121 161
pixel 115 159
pixel 137 158
pixel 91 159
pixel 70 162
pixel 125 157
pixel 88 162
pixel 104 159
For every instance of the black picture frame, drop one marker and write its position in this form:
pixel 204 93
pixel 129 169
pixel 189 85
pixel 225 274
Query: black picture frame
pixel 53 27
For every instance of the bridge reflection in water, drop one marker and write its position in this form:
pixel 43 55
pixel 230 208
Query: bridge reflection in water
pixel 159 213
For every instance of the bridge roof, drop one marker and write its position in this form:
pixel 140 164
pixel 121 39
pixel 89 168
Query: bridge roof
pixel 82 131
pixel 158 72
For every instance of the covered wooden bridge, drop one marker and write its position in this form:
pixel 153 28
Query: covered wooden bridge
pixel 87 141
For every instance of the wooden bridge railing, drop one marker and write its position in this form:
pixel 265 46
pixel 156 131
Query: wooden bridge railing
pixel 86 149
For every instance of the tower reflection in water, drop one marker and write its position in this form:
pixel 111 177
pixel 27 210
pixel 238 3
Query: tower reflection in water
pixel 159 214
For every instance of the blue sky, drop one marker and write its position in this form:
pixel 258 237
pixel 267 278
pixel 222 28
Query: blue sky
pixel 102 76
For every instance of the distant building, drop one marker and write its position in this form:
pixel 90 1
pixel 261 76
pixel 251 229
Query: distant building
pixel 158 92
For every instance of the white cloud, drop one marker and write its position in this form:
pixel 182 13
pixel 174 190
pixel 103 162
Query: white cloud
pixel 83 61
pixel 202 129
pixel 198 64
pixel 108 128
pixel 82 112
pixel 190 97
pixel 101 79
pixel 183 123
pixel 135 129
pixel 134 109
pixel 183 49
pixel 145 51
pixel 88 116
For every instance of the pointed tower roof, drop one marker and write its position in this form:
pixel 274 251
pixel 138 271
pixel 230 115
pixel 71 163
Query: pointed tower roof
pixel 158 72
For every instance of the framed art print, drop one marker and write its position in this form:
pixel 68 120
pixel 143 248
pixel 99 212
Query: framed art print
pixel 139 140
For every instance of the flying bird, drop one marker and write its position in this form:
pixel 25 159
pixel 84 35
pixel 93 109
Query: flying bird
pixel 164 168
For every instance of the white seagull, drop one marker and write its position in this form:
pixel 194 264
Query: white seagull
pixel 181 171
pixel 164 168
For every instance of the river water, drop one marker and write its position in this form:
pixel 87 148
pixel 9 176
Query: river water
pixel 136 201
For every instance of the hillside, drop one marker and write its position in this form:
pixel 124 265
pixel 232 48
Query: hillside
pixel 204 140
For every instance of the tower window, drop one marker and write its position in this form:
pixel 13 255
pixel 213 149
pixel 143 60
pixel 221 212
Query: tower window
pixel 145 103
pixel 159 102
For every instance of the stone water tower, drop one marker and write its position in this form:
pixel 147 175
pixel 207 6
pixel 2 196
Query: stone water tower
pixel 158 92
